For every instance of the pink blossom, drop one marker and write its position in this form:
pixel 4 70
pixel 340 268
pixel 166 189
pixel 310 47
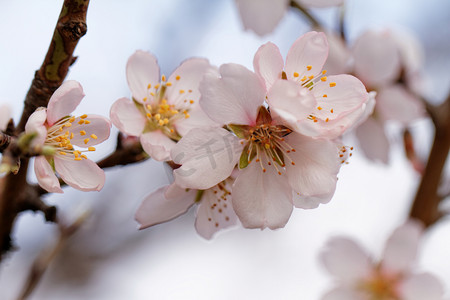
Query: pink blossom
pixel 214 210
pixel 279 167
pixel 359 277
pixel 57 129
pixel 162 109
pixel 262 16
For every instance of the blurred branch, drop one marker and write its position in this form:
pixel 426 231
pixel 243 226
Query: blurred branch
pixel 5 140
pixel 128 151
pixel 71 26
pixel 426 202
pixel 314 22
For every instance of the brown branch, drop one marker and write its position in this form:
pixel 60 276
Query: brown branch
pixel 128 151
pixel 314 22
pixel 71 26
pixel 426 202
pixel 5 140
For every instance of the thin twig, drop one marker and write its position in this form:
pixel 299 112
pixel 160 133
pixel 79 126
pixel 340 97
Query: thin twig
pixel 314 22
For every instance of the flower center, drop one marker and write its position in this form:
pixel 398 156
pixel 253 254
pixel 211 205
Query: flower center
pixel 382 287
pixel 67 130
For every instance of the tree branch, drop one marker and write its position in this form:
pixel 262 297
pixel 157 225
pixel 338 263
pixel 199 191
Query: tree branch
pixel 314 22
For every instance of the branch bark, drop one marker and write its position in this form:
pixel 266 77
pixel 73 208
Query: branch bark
pixel 71 26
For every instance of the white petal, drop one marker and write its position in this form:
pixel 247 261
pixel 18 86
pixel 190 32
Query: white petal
pixel 338 56
pixel 262 199
pixel 142 69
pixel 157 145
pixel 5 116
pixel 233 98
pixel 164 204
pixel 345 293
pixel 373 141
pixel 197 119
pixel 46 176
pixel 35 124
pixel 268 63
pixel 215 212
pixel 97 131
pixel 261 16
pixel 401 247
pixel 126 117
pixel 207 157
pixel 422 287
pixel 64 101
pixel 82 175
pixel 345 260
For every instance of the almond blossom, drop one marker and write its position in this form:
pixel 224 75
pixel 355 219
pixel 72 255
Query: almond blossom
pixel 359 277
pixel 58 130
pixel 214 210
pixel 262 16
pixel 162 109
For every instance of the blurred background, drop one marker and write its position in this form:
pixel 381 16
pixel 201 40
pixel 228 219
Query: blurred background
pixel 108 258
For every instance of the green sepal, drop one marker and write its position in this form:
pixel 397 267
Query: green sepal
pixel 241 131
pixel 198 196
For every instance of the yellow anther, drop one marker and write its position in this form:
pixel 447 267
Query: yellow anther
pixel 325 95
pixel 91 148
pixel 324 72
pixel 319 108
pixel 267 146
pixel 84 156
pixel 67 125
pixel 161 122
pixel 332 84
pixel 331 111
pixel 76 153
pixel 190 91
pixel 83 116
pixel 153 94
pixel 309 68
pixel 94 136
pixel 69 147
pixel 62 153
pixel 157 117
pixel 303 78
pixel 174 111
pixel 296 74
pixel 181 91
pixel 87 122
pixel 171 130
pixel 149 107
pixel 327 120
pixel 144 99
pixel 310 77
pixel 191 101
pixel 324 78
pixel 77 158
pixel 82 132
pixel 60 128
pixel 149 86
pixel 72 119
pixel 149 115
pixel 86 140
pixel 71 135
pixel 81 122
pixel 163 78
pixel 169 84
pixel 186 116
pixel 178 77
pixel 157 86
pixel 166 121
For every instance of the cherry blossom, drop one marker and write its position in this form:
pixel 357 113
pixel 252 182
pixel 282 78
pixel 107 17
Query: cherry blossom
pixel 162 109
pixel 214 210
pixel 359 277
pixel 58 130
pixel 262 16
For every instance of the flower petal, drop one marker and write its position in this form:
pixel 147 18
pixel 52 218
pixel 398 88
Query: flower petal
pixel 422 287
pixel 215 212
pixel 316 166
pixel 262 199
pixel 207 157
pixel 339 55
pixel 197 119
pixel 185 81
pixel 64 101
pixel 157 145
pixel 345 293
pixel 46 176
pixel 261 16
pixel 268 63
pixel 377 58
pixel 142 69
pixel 309 50
pixel 345 260
pixel 126 117
pixel 373 141
pixel 82 175
pixel 5 116
pixel 401 247
pixel 320 3
pixel 397 104
pixel 164 204
pixel 35 124
pixel 233 98
pixel 96 131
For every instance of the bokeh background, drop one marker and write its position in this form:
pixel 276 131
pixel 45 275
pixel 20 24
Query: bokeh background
pixel 108 258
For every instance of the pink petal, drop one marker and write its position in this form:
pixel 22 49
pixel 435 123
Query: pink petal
pixel 422 287
pixel 82 175
pixel 126 117
pixel 290 102
pixel 5 116
pixel 268 63
pixel 233 98
pixel 97 131
pixel 215 212
pixel 197 119
pixel 373 141
pixel 164 204
pixel 46 176
pixel 401 247
pixel 345 293
pixel 320 3
pixel 377 58
pixel 207 157
pixel 189 75
pixel 397 104
pixel 316 166
pixel 35 124
pixel 64 101
pixel 157 145
pixel 261 16
pixel 142 69
pixel 311 49
pixel 262 199
pixel 339 55
pixel 311 202
pixel 345 260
